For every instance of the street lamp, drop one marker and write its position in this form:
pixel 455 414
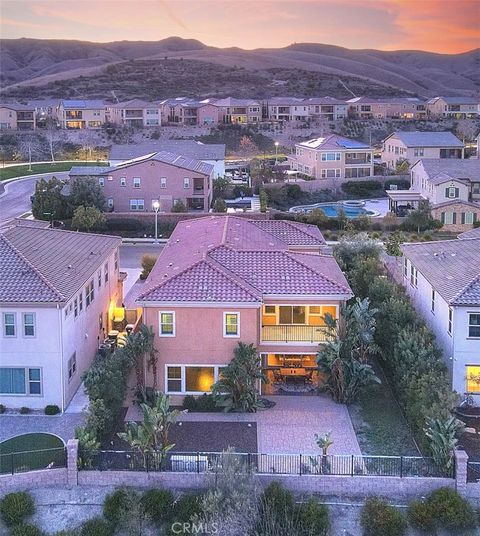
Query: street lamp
pixel 276 152
pixel 156 207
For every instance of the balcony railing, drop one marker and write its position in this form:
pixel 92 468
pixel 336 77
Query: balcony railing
pixel 296 333
pixel 357 160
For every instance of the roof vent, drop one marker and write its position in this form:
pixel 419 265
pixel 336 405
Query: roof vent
pixel 170 264
pixel 177 240
pixel 69 266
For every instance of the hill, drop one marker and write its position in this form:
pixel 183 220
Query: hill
pixel 45 63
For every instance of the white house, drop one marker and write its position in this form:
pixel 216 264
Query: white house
pixel 58 293
pixel 443 280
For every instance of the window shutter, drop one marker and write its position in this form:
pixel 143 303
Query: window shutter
pixel 457 192
pixel 442 217
pixel 446 192
pixel 454 218
pixel 474 217
pixel 463 218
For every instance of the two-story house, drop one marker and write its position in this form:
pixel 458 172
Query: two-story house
pixel 17 116
pixel 412 146
pixel 332 157
pixel 326 108
pixel 163 177
pixel 286 109
pixel 443 280
pixel 135 113
pixel 241 111
pixel 221 280
pixel 80 114
pixel 58 293
pixel 454 107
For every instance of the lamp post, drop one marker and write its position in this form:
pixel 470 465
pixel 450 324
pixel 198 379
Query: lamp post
pixel 156 207
pixel 276 152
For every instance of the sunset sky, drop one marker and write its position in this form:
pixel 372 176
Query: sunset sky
pixel 447 26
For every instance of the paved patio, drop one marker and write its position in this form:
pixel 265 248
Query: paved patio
pixel 290 426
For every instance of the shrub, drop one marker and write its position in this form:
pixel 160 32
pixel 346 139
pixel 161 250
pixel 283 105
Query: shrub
pixel 96 527
pixel 158 505
pixel 25 530
pixel 24 410
pixel 115 505
pixel 313 518
pixel 205 402
pixel 148 262
pixel 420 516
pixel 378 518
pixel 16 507
pixel 179 206
pixel 52 409
pixel 450 510
pixel 219 205
pixel 3 409
pixel 361 188
pixel 277 501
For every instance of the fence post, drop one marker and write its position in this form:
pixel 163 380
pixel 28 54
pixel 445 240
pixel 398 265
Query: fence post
pixel 461 466
pixel 300 465
pixel 198 462
pixel 72 462
pixel 401 466
pixel 353 463
pixel 13 463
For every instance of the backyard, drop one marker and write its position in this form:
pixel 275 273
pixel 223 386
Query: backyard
pixel 11 172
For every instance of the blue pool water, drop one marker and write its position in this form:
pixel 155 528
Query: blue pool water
pixel 332 210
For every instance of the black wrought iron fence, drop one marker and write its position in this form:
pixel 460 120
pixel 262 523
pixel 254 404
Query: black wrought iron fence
pixel 33 460
pixel 280 464
pixel 473 471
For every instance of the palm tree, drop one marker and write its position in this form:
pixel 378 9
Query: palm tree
pixel 140 346
pixel 139 437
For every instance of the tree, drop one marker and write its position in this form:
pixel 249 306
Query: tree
pixel 263 201
pixel 220 187
pixel 421 219
pixel 88 219
pixel 442 435
pixel 393 243
pixel 140 347
pixel 247 147
pixel 54 136
pixel 86 192
pixel 402 166
pixel 87 139
pixel 179 206
pixel 236 390
pixel 29 146
pixel 219 205
pixel 48 201
pixel 148 262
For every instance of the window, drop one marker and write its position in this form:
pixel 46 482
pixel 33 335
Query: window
pixel 100 322
pixel 136 182
pixel 474 325
pixel 199 379
pixel 292 314
pixel 137 204
pixel 163 182
pixel 123 181
pixel 473 379
pixel 105 271
pixel 29 324
pixel 167 324
pixel 405 268
pixel 174 379
pixel 452 192
pixel 469 218
pixel 231 324
pixel 186 182
pixel 110 202
pixel 80 301
pixel 330 157
pixel 9 328
pixel 330 173
pixel 72 365
pixel 75 307
pixel 115 257
pixel 418 151
pixel 413 276
pixel 450 320
pixel 89 293
pixel 433 300
pixel 20 381
pixel 449 218
pixel 99 277
pixel 101 181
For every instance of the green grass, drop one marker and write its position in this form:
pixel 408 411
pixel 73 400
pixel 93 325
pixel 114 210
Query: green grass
pixel 17 452
pixel 20 171
pixel 379 424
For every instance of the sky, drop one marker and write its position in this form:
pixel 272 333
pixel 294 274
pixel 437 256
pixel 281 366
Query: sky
pixel 445 26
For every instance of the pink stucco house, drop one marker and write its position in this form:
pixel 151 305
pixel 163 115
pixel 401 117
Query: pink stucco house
pixel 221 280
pixel 134 185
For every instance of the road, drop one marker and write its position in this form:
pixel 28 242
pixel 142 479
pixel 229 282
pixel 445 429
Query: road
pixel 15 200
pixel 131 255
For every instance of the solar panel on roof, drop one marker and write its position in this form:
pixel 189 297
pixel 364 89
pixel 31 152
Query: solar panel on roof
pixel 350 144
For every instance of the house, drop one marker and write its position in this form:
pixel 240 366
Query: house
pixel 58 294
pixel 452 187
pixel 332 157
pixel 189 112
pixel 366 108
pixel 45 109
pixel 443 280
pixel 326 108
pixel 135 113
pixel 211 153
pixel 412 146
pixel 289 109
pixel 221 280
pixel 472 233
pixel 17 116
pixel 164 177
pixel 242 111
pixel 405 108
pixel 454 107
pixel 81 114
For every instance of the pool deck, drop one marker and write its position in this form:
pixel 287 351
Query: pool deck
pixel 379 207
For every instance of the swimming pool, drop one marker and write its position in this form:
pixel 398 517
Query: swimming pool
pixel 332 210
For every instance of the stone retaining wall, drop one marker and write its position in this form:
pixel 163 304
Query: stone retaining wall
pixel 33 479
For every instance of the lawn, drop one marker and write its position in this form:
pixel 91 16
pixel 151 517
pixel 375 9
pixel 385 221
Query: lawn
pixel 20 171
pixel 379 424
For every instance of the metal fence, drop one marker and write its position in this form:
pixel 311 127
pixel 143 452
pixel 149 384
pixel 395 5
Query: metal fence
pixel 270 464
pixel 473 471
pixel 32 460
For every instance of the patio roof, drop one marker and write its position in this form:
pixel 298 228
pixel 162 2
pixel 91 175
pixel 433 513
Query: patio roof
pixel 404 195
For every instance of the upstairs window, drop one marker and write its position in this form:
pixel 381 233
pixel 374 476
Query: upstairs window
pixel 450 320
pixel 474 325
pixel 413 276
pixel 9 327
pixel 123 181
pixel 29 324
pixel 231 324
pixel 186 182
pixel 167 324
pixel 136 182
pixel 163 182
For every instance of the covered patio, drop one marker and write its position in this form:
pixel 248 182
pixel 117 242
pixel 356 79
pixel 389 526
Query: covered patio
pixel 400 202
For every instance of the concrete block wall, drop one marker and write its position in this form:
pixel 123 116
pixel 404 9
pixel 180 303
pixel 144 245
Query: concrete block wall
pixel 33 479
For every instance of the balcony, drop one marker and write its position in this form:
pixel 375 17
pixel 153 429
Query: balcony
pixel 296 333
pixel 357 160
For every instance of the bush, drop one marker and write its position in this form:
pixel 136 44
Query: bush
pixel 277 502
pixel 187 506
pixel 179 206
pixel 52 409
pixel 420 516
pixel 203 403
pixel 25 530
pixel 3 409
pixel 313 518
pixel 123 224
pixel 378 518
pixel 16 507
pixel 148 262
pixel 96 527
pixel 450 510
pixel 361 188
pixel 158 505
pixel 24 410
pixel 115 505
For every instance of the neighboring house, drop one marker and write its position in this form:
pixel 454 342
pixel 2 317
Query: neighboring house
pixel 412 146
pixel 443 280
pixel 405 108
pixel 45 109
pixel 189 112
pixel 332 157
pixel 58 291
pixel 221 280
pixel 326 108
pixel 366 108
pixel 473 233
pixel 454 107
pixel 166 177
pixel 17 117
pixel 81 114
pixel 206 152
pixel 239 110
pixel 135 113
pixel 288 109
pixel 451 186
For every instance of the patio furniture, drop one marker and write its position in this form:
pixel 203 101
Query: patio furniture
pixel 277 376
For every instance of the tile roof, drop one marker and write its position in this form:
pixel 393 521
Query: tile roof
pixel 188 148
pixel 49 265
pixel 324 100
pixel 428 139
pixel 455 168
pixel 455 100
pixel 452 267
pixel 83 104
pixel 230 101
pixel 240 259
pixel 473 233
pixel 134 104
pixel 333 141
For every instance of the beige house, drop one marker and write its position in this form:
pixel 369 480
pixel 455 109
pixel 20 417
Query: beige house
pixel 332 157
pixel 17 117
pixel 239 110
pixel 81 114
pixel 135 113
pixel 455 107
pixel 326 108
pixel 289 109
pixel 412 146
